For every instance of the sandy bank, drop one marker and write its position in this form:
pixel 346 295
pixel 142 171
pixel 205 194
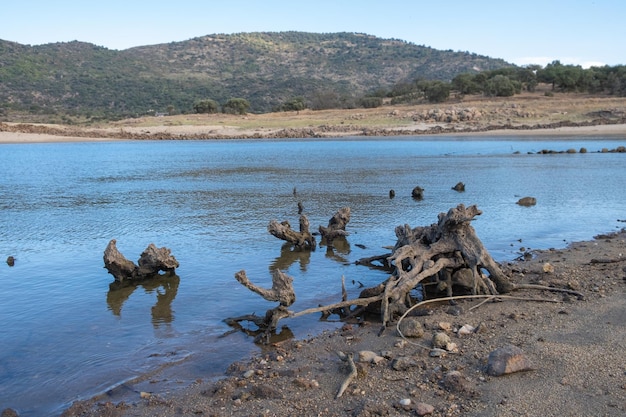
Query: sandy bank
pixel 199 132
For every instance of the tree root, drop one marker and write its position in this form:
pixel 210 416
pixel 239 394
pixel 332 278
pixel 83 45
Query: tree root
pixel 462 297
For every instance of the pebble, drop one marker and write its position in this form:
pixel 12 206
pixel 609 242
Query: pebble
pixel 466 329
pixel 411 327
pixel 248 374
pixel 423 409
pixel 440 340
pixel 445 326
pixel 548 268
pixel 370 357
pixel 437 353
pixel 507 360
pixel 405 402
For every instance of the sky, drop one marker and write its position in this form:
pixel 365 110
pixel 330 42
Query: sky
pixel 577 32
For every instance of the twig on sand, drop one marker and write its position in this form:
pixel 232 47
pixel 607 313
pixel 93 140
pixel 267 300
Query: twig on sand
pixel 350 377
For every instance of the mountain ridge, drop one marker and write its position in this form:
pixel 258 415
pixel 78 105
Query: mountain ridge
pixel 265 68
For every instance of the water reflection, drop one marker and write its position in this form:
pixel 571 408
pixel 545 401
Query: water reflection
pixel 289 255
pixel 339 250
pixel 165 286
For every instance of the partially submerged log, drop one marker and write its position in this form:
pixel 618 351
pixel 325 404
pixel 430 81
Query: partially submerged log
pixel 302 239
pixel 281 291
pixel 152 261
pixel 336 226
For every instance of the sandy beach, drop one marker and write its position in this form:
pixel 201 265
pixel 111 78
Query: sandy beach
pixel 618 130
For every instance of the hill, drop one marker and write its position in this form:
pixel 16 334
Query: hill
pixel 266 68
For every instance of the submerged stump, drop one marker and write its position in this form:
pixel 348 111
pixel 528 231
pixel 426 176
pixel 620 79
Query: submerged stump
pixel 152 261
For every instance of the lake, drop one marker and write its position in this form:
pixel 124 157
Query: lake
pixel 66 335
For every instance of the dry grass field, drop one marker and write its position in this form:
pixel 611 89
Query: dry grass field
pixel 536 110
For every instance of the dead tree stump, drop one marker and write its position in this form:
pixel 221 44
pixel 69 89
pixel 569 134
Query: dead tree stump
pixel 447 246
pixel 302 239
pixel 448 250
pixel 336 226
pixel 152 261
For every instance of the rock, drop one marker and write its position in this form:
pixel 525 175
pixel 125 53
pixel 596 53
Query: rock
pixel 403 363
pixel 411 327
pixel 405 402
pixel 9 412
pixel 507 360
pixel 423 409
pixel 454 381
pixel 527 201
pixel 465 330
pixel 445 326
pixel 452 347
pixel 11 261
pixel 440 340
pixel 547 268
pixel 437 353
pixel 370 357
pixel 392 193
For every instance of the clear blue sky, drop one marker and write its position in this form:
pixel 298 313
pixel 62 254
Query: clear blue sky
pixel 581 32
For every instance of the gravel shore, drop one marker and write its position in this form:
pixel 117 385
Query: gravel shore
pixel 574 347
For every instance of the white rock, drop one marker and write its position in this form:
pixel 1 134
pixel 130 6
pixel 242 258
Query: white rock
pixel 466 329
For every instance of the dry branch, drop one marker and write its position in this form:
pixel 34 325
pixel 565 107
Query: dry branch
pixel 353 373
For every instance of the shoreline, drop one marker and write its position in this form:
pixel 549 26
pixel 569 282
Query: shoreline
pixel 188 132
pixel 577 364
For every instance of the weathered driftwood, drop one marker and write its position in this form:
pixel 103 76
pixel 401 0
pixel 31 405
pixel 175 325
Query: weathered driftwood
pixel 302 239
pixel 447 253
pixel 336 226
pixel 152 261
pixel 281 291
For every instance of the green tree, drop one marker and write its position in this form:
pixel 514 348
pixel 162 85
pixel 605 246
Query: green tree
pixel 294 104
pixel 236 106
pixel 466 84
pixel 502 86
pixel 206 106
pixel 436 91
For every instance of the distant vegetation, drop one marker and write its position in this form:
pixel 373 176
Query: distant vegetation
pixel 260 72
pixel 506 82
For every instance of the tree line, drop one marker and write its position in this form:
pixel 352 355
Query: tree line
pixel 506 82
pixel 503 82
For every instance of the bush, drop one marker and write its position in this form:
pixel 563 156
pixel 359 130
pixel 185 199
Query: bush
pixel 236 106
pixel 206 106
pixel 437 91
pixel 295 104
pixel 371 102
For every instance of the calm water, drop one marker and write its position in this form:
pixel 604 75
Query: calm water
pixel 65 335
